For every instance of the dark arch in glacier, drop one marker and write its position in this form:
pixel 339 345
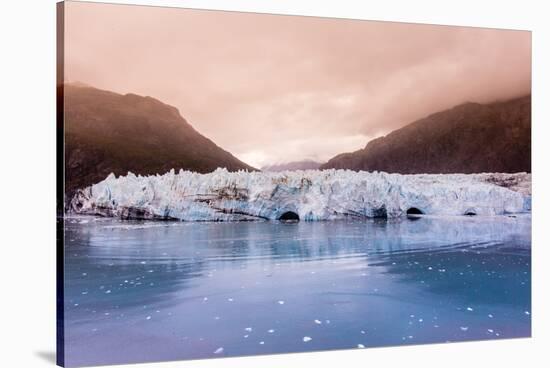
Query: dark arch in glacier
pixel 470 213
pixel 413 211
pixel 289 216
pixel 380 212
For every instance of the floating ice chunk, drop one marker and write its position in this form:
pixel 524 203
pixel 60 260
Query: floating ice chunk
pixel 360 346
pixel 317 321
pixel 248 329
pixel 307 339
pixel 470 309
pixel 245 336
pixel 464 328
pixel 270 331
pixel 490 330
pixel 281 302
pixel 148 317
pixel 262 342
pixel 229 299
pixel 490 315
pixel 527 313
pixel 108 292
pixel 218 351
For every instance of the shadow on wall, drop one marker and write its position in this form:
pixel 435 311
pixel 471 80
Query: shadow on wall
pixel 48 356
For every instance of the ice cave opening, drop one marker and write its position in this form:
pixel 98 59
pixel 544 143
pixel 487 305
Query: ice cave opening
pixel 413 211
pixel 289 216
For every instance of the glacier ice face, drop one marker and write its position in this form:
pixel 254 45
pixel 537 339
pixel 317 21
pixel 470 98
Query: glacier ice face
pixel 311 194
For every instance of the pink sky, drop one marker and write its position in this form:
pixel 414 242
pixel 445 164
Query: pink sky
pixel 274 89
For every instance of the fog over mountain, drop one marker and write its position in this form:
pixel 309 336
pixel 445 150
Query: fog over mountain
pixel 469 138
pixel 273 88
pixel 292 166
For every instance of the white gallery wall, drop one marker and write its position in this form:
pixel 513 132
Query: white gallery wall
pixel 27 188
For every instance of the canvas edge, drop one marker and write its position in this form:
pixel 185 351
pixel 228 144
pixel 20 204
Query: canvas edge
pixel 60 180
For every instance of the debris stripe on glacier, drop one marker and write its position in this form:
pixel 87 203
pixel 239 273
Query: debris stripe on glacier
pixel 312 194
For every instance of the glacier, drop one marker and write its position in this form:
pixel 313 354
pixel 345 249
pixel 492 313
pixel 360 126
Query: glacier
pixel 308 195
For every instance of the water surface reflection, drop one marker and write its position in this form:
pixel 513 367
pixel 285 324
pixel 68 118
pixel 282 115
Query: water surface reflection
pixel 142 291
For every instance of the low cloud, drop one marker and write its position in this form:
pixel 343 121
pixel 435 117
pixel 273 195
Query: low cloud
pixel 277 88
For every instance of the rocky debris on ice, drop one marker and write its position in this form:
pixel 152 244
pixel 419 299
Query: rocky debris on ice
pixel 519 182
pixel 306 195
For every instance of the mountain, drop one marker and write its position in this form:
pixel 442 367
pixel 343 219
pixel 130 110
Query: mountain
pixel 469 138
pixel 108 132
pixel 293 166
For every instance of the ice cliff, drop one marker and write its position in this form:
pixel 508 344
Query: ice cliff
pixel 311 195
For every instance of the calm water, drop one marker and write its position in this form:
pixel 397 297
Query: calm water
pixel 143 291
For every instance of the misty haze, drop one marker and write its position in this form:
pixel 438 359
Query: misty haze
pixel 278 89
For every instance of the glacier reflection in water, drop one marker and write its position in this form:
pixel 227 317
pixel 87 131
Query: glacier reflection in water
pixel 150 291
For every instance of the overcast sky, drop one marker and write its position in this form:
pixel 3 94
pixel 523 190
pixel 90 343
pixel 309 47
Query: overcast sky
pixel 273 89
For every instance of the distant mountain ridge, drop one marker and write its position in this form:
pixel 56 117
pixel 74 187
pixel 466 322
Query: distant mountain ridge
pixel 469 138
pixel 108 132
pixel 292 166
